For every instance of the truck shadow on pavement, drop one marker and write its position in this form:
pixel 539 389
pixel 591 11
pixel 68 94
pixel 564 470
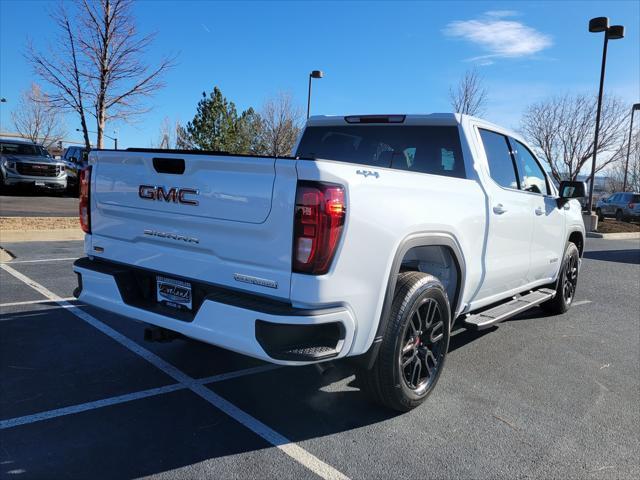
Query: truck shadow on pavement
pixel 631 256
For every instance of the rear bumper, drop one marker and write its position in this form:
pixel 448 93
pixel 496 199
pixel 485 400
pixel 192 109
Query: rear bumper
pixel 256 327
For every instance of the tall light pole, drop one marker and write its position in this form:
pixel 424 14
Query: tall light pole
pixel 635 107
pixel 614 32
pixel 115 139
pixel 313 74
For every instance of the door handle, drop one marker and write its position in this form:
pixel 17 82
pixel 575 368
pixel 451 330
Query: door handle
pixel 539 211
pixel 499 209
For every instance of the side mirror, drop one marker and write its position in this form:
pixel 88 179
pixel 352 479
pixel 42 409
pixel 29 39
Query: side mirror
pixel 572 190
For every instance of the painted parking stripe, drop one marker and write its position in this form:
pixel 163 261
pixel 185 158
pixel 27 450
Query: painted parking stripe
pixel 44 260
pixel 129 397
pixel 33 302
pixel 288 447
pixel 581 302
pixel 83 407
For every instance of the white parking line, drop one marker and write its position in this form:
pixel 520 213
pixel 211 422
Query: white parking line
pixel 44 260
pixel 581 302
pixel 129 397
pixel 83 407
pixel 32 302
pixel 296 452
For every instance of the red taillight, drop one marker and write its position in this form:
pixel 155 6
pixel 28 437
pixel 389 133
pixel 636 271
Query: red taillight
pixel 631 206
pixel 85 213
pixel 319 217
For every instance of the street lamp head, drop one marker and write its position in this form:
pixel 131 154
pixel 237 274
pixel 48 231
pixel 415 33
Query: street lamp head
pixel 316 74
pixel 615 32
pixel 636 106
pixel 599 24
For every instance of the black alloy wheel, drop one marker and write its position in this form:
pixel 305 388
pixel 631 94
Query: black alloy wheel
pixel 423 351
pixel 570 279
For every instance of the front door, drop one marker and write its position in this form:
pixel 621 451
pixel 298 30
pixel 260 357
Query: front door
pixel 547 241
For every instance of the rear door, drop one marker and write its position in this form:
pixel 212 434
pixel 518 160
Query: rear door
pixel 220 219
pixel 510 221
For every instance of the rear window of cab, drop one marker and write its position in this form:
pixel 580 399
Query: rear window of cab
pixel 425 149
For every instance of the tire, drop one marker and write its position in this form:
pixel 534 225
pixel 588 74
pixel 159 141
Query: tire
pixel 414 345
pixel 567 282
pixel 619 215
pixel 599 214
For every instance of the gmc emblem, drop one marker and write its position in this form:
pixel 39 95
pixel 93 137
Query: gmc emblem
pixel 173 195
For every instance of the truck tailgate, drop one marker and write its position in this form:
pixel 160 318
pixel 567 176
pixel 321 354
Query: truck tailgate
pixel 220 219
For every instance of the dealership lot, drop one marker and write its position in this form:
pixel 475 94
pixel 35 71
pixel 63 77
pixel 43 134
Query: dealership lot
pixel 82 395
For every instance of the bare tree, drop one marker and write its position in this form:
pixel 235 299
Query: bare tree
pixel 561 130
pixel 616 175
pixel 168 134
pixel 60 69
pixel 470 96
pixel 36 119
pixel 279 125
pixel 96 66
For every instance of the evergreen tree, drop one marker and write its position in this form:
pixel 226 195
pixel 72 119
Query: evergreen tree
pixel 217 126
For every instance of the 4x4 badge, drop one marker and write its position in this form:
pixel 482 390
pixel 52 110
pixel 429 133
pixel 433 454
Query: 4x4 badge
pixel 367 173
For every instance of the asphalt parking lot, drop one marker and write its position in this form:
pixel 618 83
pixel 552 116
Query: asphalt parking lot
pixel 82 395
pixel 37 203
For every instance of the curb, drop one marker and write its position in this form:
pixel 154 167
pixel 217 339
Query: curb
pixel 53 235
pixel 615 236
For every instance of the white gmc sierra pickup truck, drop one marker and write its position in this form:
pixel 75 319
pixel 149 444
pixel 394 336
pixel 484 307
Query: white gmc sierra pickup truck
pixel 370 242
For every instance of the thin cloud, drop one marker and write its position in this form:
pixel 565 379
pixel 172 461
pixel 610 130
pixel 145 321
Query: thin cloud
pixel 500 38
pixel 501 13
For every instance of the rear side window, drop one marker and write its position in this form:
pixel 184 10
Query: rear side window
pixel 635 199
pixel 501 167
pixel 425 149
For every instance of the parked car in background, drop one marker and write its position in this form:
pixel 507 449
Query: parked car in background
pixel 620 205
pixel 75 159
pixel 26 163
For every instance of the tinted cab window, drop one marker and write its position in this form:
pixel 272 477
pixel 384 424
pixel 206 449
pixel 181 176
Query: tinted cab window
pixel 425 149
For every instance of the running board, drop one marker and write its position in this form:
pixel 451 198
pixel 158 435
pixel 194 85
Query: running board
pixel 487 318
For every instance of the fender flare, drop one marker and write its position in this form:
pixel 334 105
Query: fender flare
pixel 426 239
pixel 576 229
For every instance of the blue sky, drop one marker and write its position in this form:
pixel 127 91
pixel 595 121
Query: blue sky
pixel 379 57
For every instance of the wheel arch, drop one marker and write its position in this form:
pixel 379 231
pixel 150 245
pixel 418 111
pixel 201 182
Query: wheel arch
pixel 420 244
pixel 577 238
